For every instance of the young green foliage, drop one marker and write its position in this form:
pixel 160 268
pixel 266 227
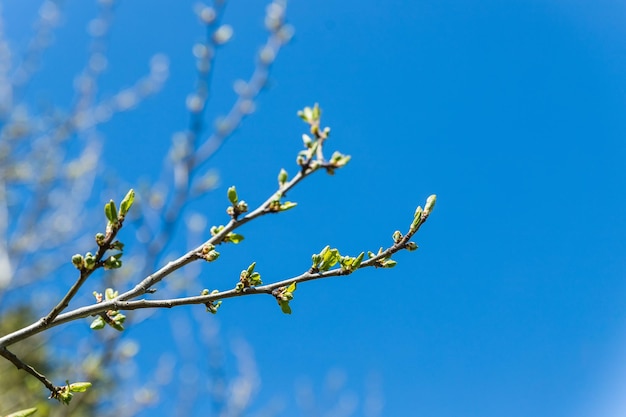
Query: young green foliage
pixel 127 203
pixel 385 262
pixel 232 195
pixel 237 207
pixel 326 259
pixel 211 306
pixel 110 211
pixel 65 394
pixel 113 318
pixel 282 177
pixel 23 413
pixel 284 295
pixel 248 278
pixel 351 264
pixel 208 253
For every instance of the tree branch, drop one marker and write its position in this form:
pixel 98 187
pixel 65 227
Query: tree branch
pixel 19 364
pixel 123 304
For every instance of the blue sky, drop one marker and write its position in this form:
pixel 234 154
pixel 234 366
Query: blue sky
pixel 511 112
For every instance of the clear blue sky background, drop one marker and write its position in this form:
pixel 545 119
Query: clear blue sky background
pixel 513 112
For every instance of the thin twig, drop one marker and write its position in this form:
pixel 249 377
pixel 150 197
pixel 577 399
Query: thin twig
pixel 19 364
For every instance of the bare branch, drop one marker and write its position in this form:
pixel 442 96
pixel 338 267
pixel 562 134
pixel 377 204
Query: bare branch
pixel 5 353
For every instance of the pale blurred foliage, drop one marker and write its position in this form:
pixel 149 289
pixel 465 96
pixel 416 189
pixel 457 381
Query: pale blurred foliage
pixel 51 168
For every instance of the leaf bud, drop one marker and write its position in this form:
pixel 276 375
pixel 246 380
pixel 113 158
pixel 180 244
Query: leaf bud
pixel 232 195
pixel 78 261
pixel 282 177
pixel 430 204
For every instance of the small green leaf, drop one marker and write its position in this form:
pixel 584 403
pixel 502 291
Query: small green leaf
pixel 306 114
pixel 317 112
pixel 255 279
pixel 23 413
pixel 110 211
pixel 98 323
pixel 430 204
pixel 232 195
pixel 330 257
pixel 127 202
pixel 80 386
pixel 417 218
pixel 282 177
pixel 235 238
pixel 110 294
pixel 339 160
pixel 117 321
pixel 287 205
pixel 359 259
pixel 284 306
pixel 292 287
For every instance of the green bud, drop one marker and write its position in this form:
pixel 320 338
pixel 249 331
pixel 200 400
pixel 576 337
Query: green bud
pixel 78 260
pixel 242 207
pixel 282 177
pixel 317 112
pixel 98 323
pixel 212 256
pixel 339 160
pixel 430 204
pixel 329 258
pixel 417 218
pixel 234 237
pixel 397 236
pixel 207 248
pixel 359 259
pixel 205 292
pixel 316 258
pixel 100 238
pixel 306 114
pixel 212 306
pixel 255 279
pixel 64 395
pixel 117 245
pixel 110 294
pixel 127 202
pixel 90 261
pixel 113 262
pixel 287 205
pixel 80 386
pixel 216 229
pixel 110 211
pixel 232 195
pixel 411 246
